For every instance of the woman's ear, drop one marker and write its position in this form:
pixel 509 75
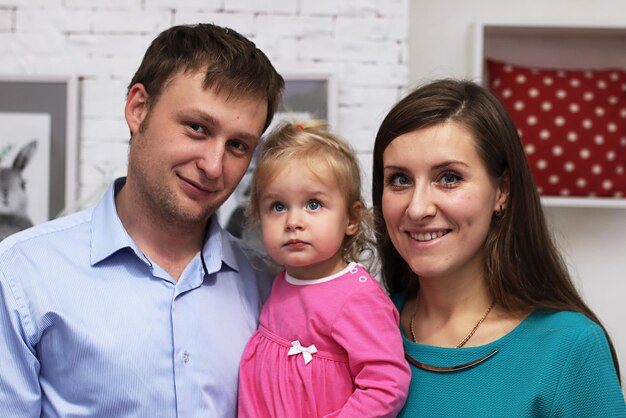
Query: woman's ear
pixel 502 193
pixel 354 218
pixel 136 107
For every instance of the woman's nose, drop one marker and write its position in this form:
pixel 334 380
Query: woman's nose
pixel 422 204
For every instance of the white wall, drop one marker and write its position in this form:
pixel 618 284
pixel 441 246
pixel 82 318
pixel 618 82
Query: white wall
pixel 593 240
pixel 363 43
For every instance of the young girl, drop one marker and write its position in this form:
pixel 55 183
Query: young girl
pixel 328 342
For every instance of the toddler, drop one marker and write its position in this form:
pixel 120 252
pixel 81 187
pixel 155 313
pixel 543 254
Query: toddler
pixel 328 343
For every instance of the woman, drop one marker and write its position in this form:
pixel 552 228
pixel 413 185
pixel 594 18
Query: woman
pixel 492 324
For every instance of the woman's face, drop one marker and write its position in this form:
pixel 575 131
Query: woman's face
pixel 438 201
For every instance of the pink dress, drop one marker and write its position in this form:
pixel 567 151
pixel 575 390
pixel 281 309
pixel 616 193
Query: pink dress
pixel 325 348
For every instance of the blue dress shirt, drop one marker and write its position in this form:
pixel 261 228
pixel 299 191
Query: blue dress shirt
pixel 90 327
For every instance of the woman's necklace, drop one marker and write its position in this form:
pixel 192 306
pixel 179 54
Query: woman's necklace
pixel 466 339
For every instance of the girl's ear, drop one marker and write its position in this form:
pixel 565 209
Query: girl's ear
pixel 354 218
pixel 502 193
pixel 136 107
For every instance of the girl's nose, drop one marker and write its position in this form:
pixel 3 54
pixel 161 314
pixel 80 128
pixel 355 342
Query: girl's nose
pixel 294 221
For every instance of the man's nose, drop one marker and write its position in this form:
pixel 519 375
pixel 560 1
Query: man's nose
pixel 212 160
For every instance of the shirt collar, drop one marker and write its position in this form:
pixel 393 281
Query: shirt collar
pixel 218 248
pixel 109 236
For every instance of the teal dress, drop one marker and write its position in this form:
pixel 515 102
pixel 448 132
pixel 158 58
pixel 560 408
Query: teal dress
pixel 553 364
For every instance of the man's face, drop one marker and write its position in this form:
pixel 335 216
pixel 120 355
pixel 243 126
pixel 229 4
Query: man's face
pixel 189 149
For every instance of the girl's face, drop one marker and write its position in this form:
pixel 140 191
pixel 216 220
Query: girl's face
pixel 304 220
pixel 438 201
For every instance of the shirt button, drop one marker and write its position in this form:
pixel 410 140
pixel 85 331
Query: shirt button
pixel 186 357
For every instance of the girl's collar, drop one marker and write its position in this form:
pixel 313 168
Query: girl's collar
pixel 299 282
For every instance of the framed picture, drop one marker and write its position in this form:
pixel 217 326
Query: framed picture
pixel 38 151
pixel 306 96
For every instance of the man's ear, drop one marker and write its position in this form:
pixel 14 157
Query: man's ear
pixel 136 107
pixel 354 218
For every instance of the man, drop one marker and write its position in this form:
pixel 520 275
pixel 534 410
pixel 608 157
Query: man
pixel 142 305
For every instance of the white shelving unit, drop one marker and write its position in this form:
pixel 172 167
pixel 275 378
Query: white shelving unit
pixel 591 232
pixel 568 45
pixel 583 202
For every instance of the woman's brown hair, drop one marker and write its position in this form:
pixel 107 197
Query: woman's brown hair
pixel 523 267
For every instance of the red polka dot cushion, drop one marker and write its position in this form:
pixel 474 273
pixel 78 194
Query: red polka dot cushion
pixel 572 124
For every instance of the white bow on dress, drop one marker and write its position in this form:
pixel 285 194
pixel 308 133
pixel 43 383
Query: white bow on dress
pixel 307 352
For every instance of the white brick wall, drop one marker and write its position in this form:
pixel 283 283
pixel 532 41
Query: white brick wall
pixel 363 43
pixel 6 19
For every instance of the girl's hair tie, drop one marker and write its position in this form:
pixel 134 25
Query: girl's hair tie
pixel 300 127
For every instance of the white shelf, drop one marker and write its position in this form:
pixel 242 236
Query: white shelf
pixel 577 44
pixel 583 202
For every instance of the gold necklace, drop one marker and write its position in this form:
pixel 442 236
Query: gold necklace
pixel 466 339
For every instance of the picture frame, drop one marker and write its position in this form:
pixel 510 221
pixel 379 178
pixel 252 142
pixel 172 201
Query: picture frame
pixel 39 114
pixel 306 96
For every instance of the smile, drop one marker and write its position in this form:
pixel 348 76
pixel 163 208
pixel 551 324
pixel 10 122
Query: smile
pixel 428 236
pixel 199 187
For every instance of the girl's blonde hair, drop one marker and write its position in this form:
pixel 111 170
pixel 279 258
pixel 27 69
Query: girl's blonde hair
pixel 312 144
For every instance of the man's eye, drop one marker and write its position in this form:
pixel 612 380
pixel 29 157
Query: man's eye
pixel 196 127
pixel 238 146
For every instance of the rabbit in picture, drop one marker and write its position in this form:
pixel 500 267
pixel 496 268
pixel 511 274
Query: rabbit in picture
pixel 13 198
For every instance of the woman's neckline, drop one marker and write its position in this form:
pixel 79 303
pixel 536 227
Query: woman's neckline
pixel 497 342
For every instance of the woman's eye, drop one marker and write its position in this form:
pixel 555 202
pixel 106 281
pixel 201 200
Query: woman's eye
pixel 277 207
pixel 450 179
pixel 314 205
pixel 398 180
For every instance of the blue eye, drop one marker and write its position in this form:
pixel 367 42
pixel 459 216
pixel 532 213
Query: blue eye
pixel 401 181
pixel 449 179
pixel 196 127
pixel 313 205
pixel 398 180
pixel 278 207
pixel 238 147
